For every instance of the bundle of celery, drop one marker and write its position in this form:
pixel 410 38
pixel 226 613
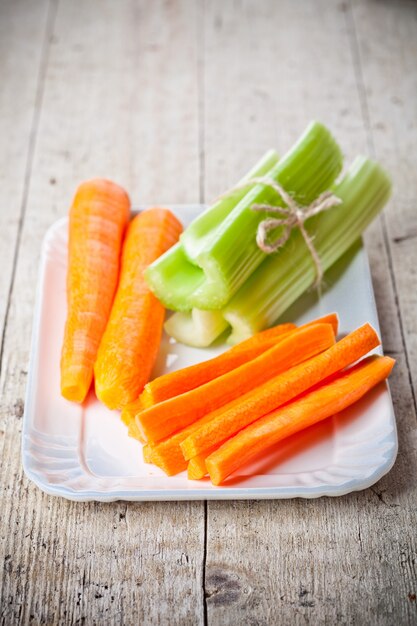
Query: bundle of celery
pixel 218 252
pixel 254 288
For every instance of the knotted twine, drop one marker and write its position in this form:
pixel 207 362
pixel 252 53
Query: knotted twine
pixel 293 215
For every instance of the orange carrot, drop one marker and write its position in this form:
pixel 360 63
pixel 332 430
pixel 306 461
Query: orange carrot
pixel 133 431
pixel 197 469
pixel 330 318
pixel 126 419
pixel 169 416
pixel 147 453
pixel 129 420
pixel 97 221
pixel 167 453
pixel 131 340
pixel 313 407
pixel 130 411
pixel 183 380
pixel 242 411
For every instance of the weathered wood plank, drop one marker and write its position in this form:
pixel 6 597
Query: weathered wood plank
pixel 120 101
pixel 24 30
pixel 387 50
pixel 23 33
pixel 321 561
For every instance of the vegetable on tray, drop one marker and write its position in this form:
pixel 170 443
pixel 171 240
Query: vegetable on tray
pixel 214 261
pixel 236 269
pixel 196 468
pixel 319 404
pixel 232 417
pixel 181 381
pixel 193 446
pixel 163 419
pixel 218 279
pixel 167 454
pixel 287 274
pixel 130 343
pixel 97 220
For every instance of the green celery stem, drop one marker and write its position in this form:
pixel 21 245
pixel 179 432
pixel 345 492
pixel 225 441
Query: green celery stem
pixel 223 259
pixel 287 274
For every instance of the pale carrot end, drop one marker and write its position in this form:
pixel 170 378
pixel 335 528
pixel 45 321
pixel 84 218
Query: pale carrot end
pixel 146 397
pixel 75 393
pixel 134 432
pixel 196 469
pixel 130 411
pixel 171 466
pixel 126 419
pixel 147 453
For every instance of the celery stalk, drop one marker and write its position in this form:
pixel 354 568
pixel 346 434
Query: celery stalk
pixel 286 275
pixel 221 261
pixel 173 278
pixel 196 328
pixel 204 228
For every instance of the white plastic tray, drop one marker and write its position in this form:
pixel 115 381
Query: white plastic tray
pixel 84 453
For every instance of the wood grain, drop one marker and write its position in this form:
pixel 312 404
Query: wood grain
pixel 101 115
pixel 173 99
pixel 325 561
pixel 23 32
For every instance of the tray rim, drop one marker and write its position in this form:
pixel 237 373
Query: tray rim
pixel 216 493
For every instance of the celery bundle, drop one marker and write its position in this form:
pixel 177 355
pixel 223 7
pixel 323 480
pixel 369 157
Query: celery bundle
pixel 218 252
pixel 287 274
pixel 217 278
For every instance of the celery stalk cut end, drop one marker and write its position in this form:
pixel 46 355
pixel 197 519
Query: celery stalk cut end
pixel 196 328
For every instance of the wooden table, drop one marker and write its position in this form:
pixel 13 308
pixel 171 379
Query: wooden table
pixel 174 99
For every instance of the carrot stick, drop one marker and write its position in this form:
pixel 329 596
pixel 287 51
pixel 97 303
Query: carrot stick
pixel 197 469
pixel 167 454
pixel 183 380
pixel 313 407
pixel 330 318
pixel 165 418
pixel 147 453
pixel 129 411
pixel 242 411
pixel 131 340
pixel 133 431
pixel 97 220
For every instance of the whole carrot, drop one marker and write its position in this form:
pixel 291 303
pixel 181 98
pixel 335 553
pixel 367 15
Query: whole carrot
pixel 97 221
pixel 313 407
pixel 130 344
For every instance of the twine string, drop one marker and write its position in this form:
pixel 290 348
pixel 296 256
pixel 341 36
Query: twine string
pixel 291 216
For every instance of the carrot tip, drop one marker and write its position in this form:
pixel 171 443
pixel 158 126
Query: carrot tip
pixel 74 393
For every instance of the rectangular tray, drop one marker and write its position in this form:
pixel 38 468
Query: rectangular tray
pixel 84 453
